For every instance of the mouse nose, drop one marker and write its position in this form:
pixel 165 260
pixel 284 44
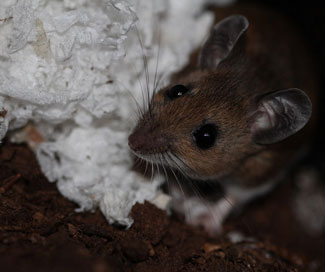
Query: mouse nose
pixel 144 142
pixel 136 141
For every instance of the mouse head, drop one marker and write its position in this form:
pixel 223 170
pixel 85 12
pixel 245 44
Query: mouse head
pixel 206 123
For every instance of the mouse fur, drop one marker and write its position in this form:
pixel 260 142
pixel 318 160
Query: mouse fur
pixel 255 87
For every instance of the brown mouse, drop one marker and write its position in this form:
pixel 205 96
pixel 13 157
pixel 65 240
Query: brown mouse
pixel 240 118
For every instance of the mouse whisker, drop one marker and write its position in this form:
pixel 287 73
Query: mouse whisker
pixel 162 159
pixel 142 94
pixel 159 81
pixel 175 175
pixel 228 201
pixel 184 166
pixel 175 164
pixel 156 163
pixel 146 167
pixel 146 70
pixel 139 111
pixel 152 171
pixel 196 190
pixel 142 109
pixel 187 208
pixel 139 80
pixel 206 203
pixel 137 162
pixel 157 61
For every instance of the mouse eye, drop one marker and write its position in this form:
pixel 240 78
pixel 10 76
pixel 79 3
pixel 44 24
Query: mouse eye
pixel 177 91
pixel 205 136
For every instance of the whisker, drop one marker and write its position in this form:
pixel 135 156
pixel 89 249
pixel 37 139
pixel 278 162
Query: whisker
pixel 161 159
pixel 174 174
pixel 137 162
pixel 187 208
pixel 159 80
pixel 146 70
pixel 146 168
pixel 156 164
pixel 152 171
pixel 142 92
pixel 188 168
pixel 157 61
pixel 140 113
pixel 206 203
pixel 187 212
pixel 196 191
pixel 140 109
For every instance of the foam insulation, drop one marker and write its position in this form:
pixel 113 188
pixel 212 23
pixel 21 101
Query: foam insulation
pixel 71 67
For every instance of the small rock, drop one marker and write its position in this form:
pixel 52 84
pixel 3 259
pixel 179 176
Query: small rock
pixel 136 250
pixel 211 247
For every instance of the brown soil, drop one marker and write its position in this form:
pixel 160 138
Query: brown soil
pixel 39 231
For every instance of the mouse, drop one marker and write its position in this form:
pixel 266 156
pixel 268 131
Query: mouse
pixel 240 117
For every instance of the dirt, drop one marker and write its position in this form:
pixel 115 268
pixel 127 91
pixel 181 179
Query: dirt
pixel 40 231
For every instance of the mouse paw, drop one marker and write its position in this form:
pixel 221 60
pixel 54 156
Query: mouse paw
pixel 209 215
pixel 214 215
pixel 208 221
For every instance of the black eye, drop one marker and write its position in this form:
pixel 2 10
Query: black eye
pixel 205 136
pixel 176 91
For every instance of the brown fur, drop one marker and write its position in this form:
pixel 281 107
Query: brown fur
pixel 275 58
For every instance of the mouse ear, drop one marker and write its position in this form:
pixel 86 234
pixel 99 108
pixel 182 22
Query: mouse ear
pixel 279 115
pixel 222 40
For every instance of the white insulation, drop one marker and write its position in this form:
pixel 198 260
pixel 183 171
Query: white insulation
pixel 71 67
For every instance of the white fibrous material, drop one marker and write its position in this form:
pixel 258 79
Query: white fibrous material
pixel 71 67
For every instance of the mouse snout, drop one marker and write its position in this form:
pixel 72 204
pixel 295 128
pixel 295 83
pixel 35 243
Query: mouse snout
pixel 136 141
pixel 144 142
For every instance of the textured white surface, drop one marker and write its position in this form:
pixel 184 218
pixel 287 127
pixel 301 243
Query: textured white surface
pixel 70 66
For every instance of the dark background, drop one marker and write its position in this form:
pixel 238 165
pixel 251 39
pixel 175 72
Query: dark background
pixel 309 16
